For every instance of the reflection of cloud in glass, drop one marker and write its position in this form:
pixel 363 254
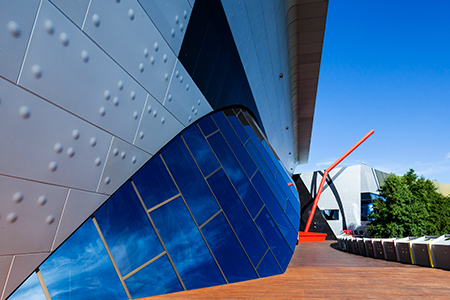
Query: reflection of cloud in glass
pixel 127 230
pixel 235 174
pixel 138 244
pixel 230 164
pixel 185 245
pixel 189 251
pixel 274 238
pixel 200 150
pixel 227 250
pixel 189 180
pixel 154 183
pixel 238 217
pixel 200 153
pixel 193 253
pixel 81 269
pixel 155 279
pixel 31 290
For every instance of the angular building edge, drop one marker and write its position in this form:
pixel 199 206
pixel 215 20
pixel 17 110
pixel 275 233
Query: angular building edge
pixel 122 147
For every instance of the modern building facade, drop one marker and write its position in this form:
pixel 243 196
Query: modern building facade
pixel 148 146
pixel 443 188
pixel 346 200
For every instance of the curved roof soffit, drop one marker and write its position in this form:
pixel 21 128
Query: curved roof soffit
pixel 306 28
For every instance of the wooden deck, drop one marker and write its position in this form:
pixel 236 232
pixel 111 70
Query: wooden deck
pixel 319 270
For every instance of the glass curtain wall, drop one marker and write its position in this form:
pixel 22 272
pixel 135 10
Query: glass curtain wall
pixel 367 205
pixel 214 206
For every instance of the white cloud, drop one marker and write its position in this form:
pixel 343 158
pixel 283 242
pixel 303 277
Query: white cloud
pixel 448 155
pixel 324 164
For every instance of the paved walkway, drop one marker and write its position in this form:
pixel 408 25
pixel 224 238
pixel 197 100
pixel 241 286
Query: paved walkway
pixel 319 270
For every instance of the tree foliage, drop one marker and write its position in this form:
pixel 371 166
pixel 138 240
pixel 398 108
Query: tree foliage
pixel 409 206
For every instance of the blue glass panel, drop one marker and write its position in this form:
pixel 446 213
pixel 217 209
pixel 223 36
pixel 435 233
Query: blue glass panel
pixel 286 228
pixel 284 186
pixel 290 191
pixel 185 246
pixel 292 215
pixel 154 183
pixel 262 152
pixel 238 216
pixel 235 144
pixel 227 250
pixel 81 269
pixel 207 125
pixel 200 149
pixel 155 279
pixel 270 152
pixel 235 173
pixel 256 124
pixel 189 180
pixel 243 135
pixel 295 192
pixel 31 290
pixel 286 177
pixel 270 179
pixel 127 230
pixel 274 238
pixel 269 266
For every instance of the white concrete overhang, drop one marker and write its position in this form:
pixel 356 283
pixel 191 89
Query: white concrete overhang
pixel 306 28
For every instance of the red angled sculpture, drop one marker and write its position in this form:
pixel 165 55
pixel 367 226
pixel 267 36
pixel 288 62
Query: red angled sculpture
pixel 306 236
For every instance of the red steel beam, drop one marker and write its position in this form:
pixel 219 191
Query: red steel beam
pixel 325 174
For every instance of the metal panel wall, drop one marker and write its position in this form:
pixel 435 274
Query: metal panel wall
pixel 259 30
pixel 239 222
pixel 171 18
pixel 80 81
pixel 70 70
pixel 16 23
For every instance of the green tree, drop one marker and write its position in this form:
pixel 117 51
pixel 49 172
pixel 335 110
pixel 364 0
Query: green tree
pixel 409 206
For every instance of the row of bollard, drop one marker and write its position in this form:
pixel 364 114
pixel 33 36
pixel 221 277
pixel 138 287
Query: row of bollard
pixel 427 251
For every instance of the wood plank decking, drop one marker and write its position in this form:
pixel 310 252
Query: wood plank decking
pixel 319 270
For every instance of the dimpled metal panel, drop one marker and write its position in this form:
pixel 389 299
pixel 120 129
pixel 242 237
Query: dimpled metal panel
pixel 171 18
pixel 156 128
pixel 78 207
pixel 31 211
pixel 5 263
pixel 16 22
pixel 23 266
pixel 74 10
pixel 67 68
pixel 184 99
pixel 126 33
pixel 44 143
pixel 123 161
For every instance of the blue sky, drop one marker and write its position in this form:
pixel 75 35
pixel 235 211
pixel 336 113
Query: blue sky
pixel 385 66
